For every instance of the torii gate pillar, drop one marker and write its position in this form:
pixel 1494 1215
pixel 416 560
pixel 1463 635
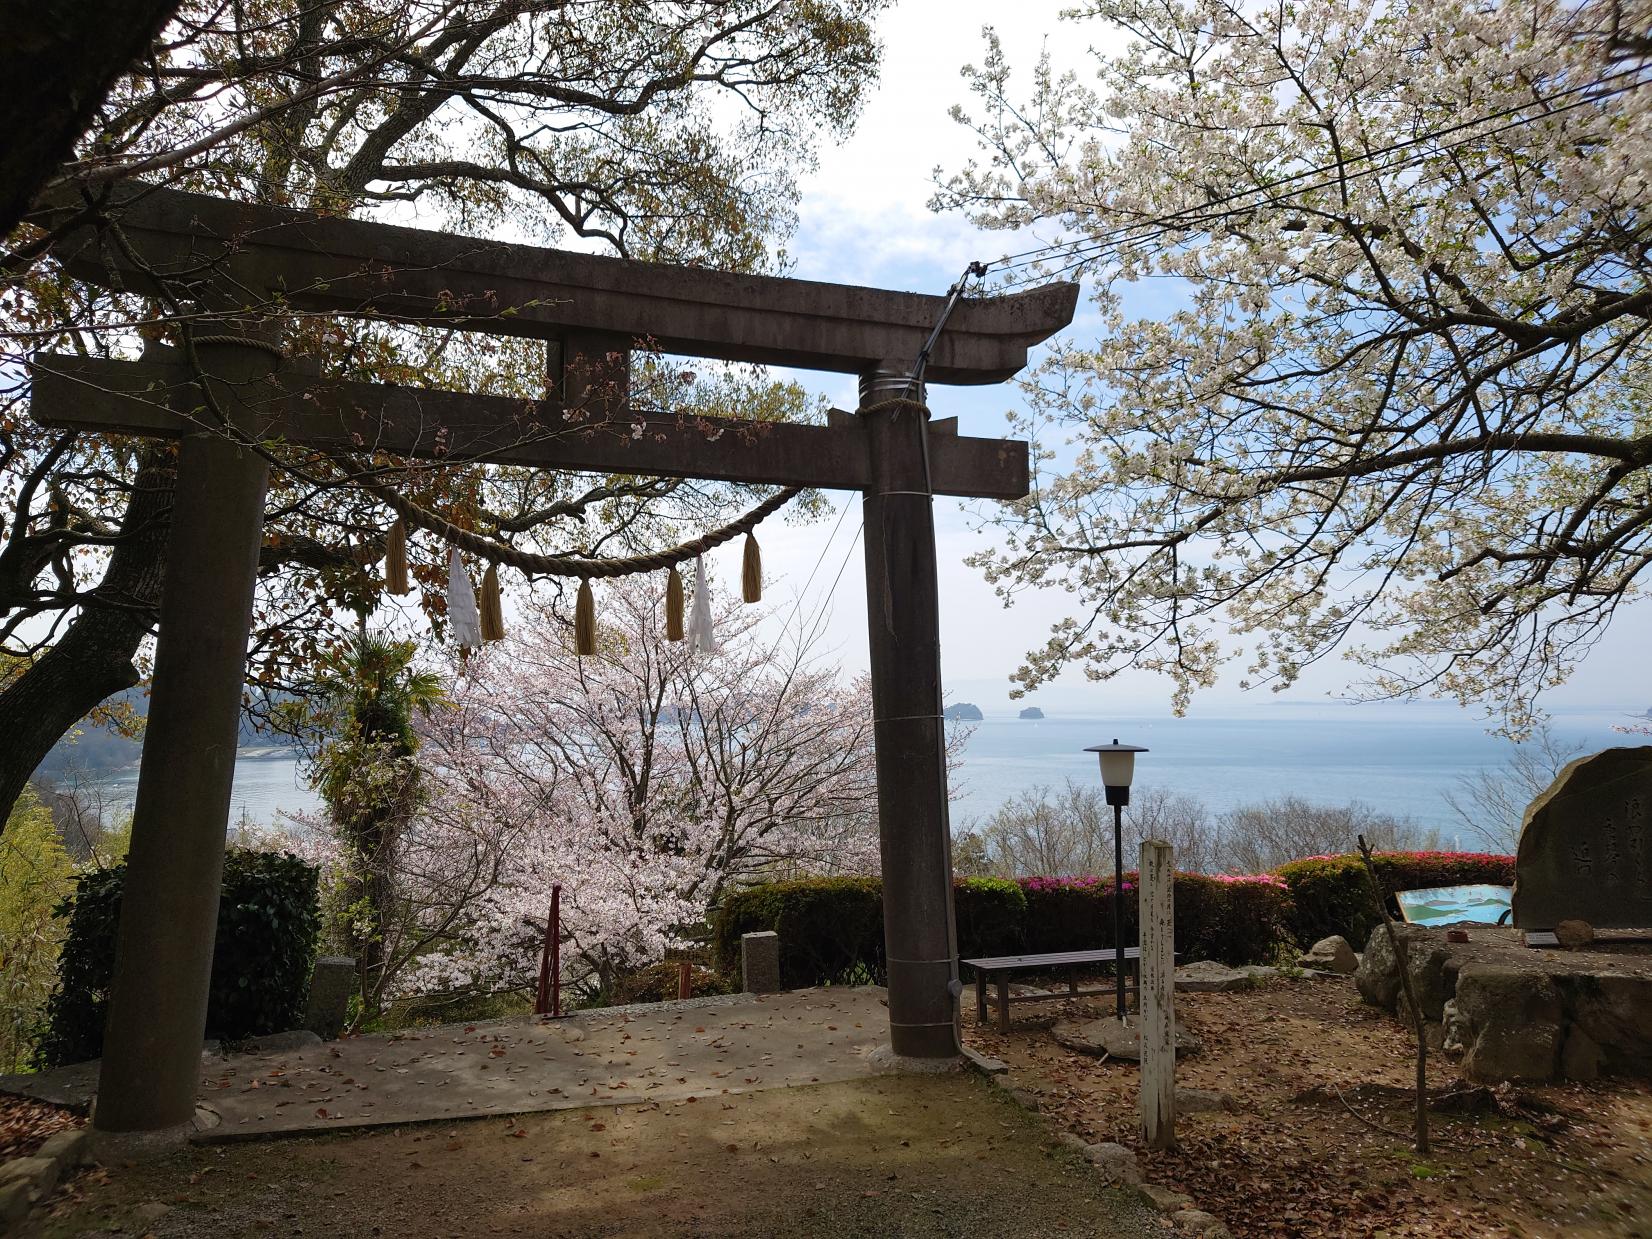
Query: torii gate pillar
pixel 903 612
pixel 169 912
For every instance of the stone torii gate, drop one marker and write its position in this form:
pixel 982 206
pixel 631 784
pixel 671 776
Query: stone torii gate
pixel 233 260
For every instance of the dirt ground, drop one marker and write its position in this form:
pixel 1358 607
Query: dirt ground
pixel 1569 1159
pixel 890 1156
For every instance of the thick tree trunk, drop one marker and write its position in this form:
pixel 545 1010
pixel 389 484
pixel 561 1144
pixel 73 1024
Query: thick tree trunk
pixel 58 59
pixel 93 659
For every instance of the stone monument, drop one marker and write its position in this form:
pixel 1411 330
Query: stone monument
pixel 760 962
pixel 332 984
pixel 1586 845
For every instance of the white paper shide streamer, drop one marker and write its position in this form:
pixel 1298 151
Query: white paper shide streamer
pixel 700 637
pixel 461 604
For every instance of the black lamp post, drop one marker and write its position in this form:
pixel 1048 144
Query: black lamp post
pixel 1118 764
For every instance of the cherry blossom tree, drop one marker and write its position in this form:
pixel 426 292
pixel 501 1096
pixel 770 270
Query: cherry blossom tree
pixel 662 131
pixel 643 779
pixel 1400 405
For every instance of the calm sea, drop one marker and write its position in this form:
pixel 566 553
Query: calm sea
pixel 1403 765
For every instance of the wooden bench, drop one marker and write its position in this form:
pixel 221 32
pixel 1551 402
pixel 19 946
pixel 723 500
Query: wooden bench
pixel 1001 966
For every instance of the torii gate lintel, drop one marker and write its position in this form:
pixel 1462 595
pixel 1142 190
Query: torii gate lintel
pixel 589 310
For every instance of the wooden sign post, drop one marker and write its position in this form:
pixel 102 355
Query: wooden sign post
pixel 588 310
pixel 1156 883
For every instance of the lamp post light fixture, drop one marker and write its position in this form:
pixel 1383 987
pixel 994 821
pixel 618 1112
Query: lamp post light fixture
pixel 1118 765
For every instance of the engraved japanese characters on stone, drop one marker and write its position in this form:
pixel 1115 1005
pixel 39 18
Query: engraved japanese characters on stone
pixel 1584 846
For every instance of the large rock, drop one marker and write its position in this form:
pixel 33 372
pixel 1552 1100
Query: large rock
pixel 1513 1023
pixel 1198 1222
pixel 1206 976
pixel 1114 1163
pixel 1574 934
pixel 1614 1009
pixel 1107 1038
pixel 1331 954
pixel 1190 1100
pixel 1579 1056
pixel 1586 845
pixel 1428 962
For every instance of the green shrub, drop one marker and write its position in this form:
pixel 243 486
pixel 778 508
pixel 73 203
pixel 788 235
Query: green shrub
pixel 658 983
pixel 36 873
pixel 991 916
pixel 1332 894
pixel 268 920
pixel 1234 920
pixel 831 929
pixel 1075 914
pixel 465 1006
pixel 828 927
pixel 1201 909
pixel 1254 920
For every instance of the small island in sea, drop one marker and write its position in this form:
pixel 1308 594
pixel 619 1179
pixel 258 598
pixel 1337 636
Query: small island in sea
pixel 962 712
pixel 1031 712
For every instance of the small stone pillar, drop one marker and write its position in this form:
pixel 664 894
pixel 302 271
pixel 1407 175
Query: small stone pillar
pixel 760 962
pixel 331 985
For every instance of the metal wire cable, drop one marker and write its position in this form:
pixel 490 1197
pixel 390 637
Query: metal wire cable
pixel 1118 238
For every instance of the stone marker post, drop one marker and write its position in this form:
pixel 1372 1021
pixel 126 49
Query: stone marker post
pixel 332 983
pixel 1155 881
pixel 760 962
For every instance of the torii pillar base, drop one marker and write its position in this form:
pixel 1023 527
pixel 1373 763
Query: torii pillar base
pixel 915 838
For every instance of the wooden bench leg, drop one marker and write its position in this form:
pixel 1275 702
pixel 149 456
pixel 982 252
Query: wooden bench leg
pixel 980 996
pixel 1004 1003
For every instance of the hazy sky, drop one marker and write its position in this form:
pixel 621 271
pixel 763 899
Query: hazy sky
pixel 863 220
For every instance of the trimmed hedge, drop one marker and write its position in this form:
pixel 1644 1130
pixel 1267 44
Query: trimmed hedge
pixel 1332 894
pixel 828 927
pixel 991 914
pixel 832 928
pixel 1075 914
pixel 269 917
pixel 1237 920
pixel 1252 918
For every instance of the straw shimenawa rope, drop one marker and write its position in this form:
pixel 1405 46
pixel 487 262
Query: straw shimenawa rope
pixel 496 552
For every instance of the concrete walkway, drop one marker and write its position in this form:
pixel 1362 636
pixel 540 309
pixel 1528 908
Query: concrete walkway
pixel 666 1053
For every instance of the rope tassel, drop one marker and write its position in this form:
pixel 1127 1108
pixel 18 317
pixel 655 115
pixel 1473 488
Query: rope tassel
pixel 492 606
pixel 395 559
pixel 461 604
pixel 751 571
pixel 674 606
pixel 585 621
